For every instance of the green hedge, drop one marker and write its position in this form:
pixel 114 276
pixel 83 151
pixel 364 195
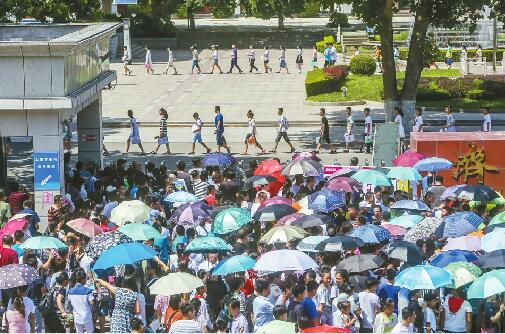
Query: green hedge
pixel 362 65
pixel 318 82
pixel 486 53
pixel 328 40
pixel 310 9
pixel 440 88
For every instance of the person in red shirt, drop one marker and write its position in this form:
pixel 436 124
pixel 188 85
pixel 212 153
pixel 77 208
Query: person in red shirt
pixel 16 197
pixel 7 255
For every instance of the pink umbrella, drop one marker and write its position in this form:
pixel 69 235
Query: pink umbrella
pixel 289 219
pixel 342 172
pixel 467 243
pixel 305 155
pixel 408 159
pixel 343 183
pixel 85 226
pixel 395 229
pixel 13 225
pixel 277 200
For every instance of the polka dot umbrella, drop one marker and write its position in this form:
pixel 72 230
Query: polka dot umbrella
pixel 14 275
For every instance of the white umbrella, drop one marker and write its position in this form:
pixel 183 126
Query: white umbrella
pixel 175 283
pixel 130 211
pixel 283 260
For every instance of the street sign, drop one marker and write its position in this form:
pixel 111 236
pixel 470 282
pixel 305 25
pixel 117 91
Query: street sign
pixel 330 169
pixel 46 170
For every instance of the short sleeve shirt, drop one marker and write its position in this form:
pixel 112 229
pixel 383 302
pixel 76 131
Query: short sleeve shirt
pixel 29 308
pixel 282 123
pixel 487 123
pixel 262 309
pixel 368 302
pixel 218 123
pixel 197 126
pixel 368 125
pixel 350 123
pixel 325 125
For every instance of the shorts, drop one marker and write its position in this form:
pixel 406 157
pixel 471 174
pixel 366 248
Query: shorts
pixel 448 61
pixel 299 60
pixel 282 135
pixel 134 139
pixel 148 66
pixel 325 139
pixel 215 61
pixel 283 63
pixel 194 64
pixel 125 62
pixel 220 140
pixel 163 140
pixel 170 64
pixel 265 62
pixel 197 137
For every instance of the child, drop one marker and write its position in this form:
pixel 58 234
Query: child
pixel 239 322
pixel 221 326
pixel 343 318
pixel 280 312
pixel 430 318
pixel 170 63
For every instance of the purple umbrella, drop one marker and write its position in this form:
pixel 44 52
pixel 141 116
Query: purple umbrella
pixel 345 184
pixel 191 213
pixel 342 172
pixel 14 275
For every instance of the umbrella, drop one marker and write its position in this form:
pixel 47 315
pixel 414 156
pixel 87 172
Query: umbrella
pixel 344 171
pixel 303 205
pixel 423 277
pixel 468 243
pixel 284 260
pixel 408 159
pixel 325 329
pixel 404 174
pixel 445 258
pixel 303 167
pixel 283 234
pixel 174 284
pixel 338 244
pixel 490 228
pixel 309 243
pixel 373 177
pixel 423 230
pixel 273 212
pixel 140 231
pixel 42 242
pixel 277 326
pixel 130 211
pixel 432 164
pixel 104 241
pixel 230 220
pixel 191 213
pixel 487 285
pixel 269 167
pixel 305 156
pixel 181 197
pixel 277 200
pixel 478 192
pixel 395 230
pixel 14 275
pixel 289 219
pixel 326 200
pixel 463 272
pixel 494 259
pixel 207 245
pixel 345 184
pixel 371 234
pixel 214 212
pixel 359 263
pixel 12 226
pixel 258 180
pixel 451 191
pixel 497 219
pixel 234 264
pixel 403 251
pixel 307 221
pixel 408 204
pixel 126 253
pixel 493 241
pixel 85 226
pixel 406 221
pixel 217 159
pixel 459 224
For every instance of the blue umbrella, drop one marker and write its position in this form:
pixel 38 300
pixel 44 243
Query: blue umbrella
pixel 217 159
pixel 433 165
pixel 406 221
pixel 423 277
pixel 207 245
pixel 326 200
pixel 458 224
pixel 371 234
pixel 309 243
pixel 445 258
pixel 410 205
pixel 126 253
pixel 181 197
pixel 234 264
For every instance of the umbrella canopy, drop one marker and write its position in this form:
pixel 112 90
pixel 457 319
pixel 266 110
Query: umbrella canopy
pixel 468 243
pixel 408 159
pixel 423 277
pixel 450 192
pixel 174 284
pixel 445 258
pixel 230 220
pixel 140 231
pixel 325 329
pixel 42 242
pixel 463 272
pixel 395 230
pixel 459 224
pixel 217 159
pixel 493 241
pixel 284 260
pixel 104 241
pixel 309 243
pixel 404 174
pixel 214 212
pixel 342 172
pixel 234 264
pixel 373 177
pixel 303 167
pixel 130 211
pixel 277 200
pixel 273 212
pixel 408 204
pixel 127 253
pixel 491 228
pixel 494 259
pixel 345 184
pixel 339 243
pixel 181 197
pixel 307 221
pixel 306 155
pixel 423 230
pixel 277 326
pixel 371 234
pixel 85 226
pixel 13 225
pixel 283 234
pixel 14 275
pixel 403 251
pixel 359 263
pixel 289 219
pixel 498 219
pixel 487 285
pixel 432 165
pixel 207 245
pixel 191 213
pixel 258 180
pixel 478 192
pixel 406 221
pixel 326 200
pixel 268 167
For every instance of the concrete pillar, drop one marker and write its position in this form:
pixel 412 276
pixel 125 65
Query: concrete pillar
pixel 89 133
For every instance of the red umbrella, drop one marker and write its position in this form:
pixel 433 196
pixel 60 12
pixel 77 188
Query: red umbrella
pixel 273 168
pixel 325 329
pixel 395 229
pixel 277 200
pixel 287 220
pixel 345 184
pixel 408 159
pixel 12 226
pixel 85 226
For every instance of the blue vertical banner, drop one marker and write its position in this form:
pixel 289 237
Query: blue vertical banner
pixel 46 171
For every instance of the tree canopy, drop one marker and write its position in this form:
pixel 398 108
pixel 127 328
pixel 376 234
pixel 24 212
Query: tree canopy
pixel 42 10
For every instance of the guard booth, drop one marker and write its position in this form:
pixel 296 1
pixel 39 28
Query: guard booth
pixel 51 75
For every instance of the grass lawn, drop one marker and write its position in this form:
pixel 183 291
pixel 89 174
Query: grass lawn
pixel 465 103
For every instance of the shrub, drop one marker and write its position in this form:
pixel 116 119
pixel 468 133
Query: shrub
pixel 456 54
pixel 310 9
pixel 362 65
pixel 471 88
pixel 318 82
pixel 144 25
pixel 480 94
pixel 338 72
pixel 337 19
pixel 432 92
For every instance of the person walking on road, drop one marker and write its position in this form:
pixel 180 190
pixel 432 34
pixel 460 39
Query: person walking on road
pixel 215 59
pixel 234 59
pixel 163 137
pixel 170 63
pixel 367 134
pixel 219 124
pixel 134 137
pixel 333 54
pixel 195 59
pixel 299 58
pixel 282 131
pixel 282 60
pixel 126 61
pixel 486 124
pixel 349 133
pixel 324 132
pixel 196 129
pixel 148 64
pixel 266 59
pixel 251 134
pixel 450 120
pixel 252 58
pixel 327 55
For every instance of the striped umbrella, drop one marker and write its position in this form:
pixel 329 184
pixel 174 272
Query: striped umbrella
pixel 303 167
pixel 371 234
pixel 433 165
pixel 459 224
pixel 451 191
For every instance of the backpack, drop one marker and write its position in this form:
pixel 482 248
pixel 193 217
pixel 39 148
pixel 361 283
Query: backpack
pixel 46 305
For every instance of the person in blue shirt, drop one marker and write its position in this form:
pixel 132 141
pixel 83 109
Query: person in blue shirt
pixel 327 55
pixel 219 124
pixel 262 308
pixel 389 290
pixel 308 303
pixel 181 237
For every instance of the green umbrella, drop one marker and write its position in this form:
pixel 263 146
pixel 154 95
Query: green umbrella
pixel 406 221
pixel 276 327
pixel 463 272
pixel 489 284
pixel 175 283
pixel 42 243
pixel 230 220
pixel 140 231
pixel 283 234
pixel 373 177
pixel 404 174
pixel 498 219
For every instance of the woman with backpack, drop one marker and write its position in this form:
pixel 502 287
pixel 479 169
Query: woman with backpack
pixel 52 305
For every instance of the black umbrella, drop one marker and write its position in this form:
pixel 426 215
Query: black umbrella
pixel 478 192
pixel 404 251
pixel 273 212
pixel 359 263
pixel 308 221
pixel 258 180
pixel 338 244
pixel 491 228
pixel 494 259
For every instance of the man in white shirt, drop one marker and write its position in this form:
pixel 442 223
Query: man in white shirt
pixel 333 54
pixel 457 313
pixel 187 324
pixel 197 133
pixel 486 124
pixel 370 305
pixel 349 133
pixel 367 133
pixel 81 299
pixel 406 325
pixel 282 131
pixel 252 58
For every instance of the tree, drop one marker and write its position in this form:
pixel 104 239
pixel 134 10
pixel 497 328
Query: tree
pixel 266 9
pixel 43 10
